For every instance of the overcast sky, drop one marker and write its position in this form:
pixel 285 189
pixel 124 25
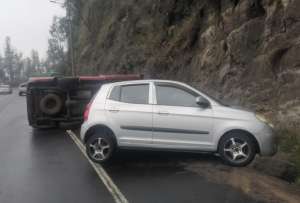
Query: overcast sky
pixel 27 22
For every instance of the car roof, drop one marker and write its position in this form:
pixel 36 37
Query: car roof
pixel 132 82
pixel 145 81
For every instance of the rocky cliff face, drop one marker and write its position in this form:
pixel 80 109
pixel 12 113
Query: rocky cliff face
pixel 244 51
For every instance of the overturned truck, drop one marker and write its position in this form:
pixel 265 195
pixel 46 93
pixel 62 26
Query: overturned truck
pixel 53 101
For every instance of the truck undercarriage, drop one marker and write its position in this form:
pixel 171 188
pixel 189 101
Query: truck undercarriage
pixel 54 101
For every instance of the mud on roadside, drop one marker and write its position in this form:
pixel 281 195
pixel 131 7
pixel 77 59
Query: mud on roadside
pixel 257 185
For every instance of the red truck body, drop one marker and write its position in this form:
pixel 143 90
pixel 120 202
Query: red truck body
pixel 52 101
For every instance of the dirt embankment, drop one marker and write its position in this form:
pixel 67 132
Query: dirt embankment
pixel 245 52
pixel 257 185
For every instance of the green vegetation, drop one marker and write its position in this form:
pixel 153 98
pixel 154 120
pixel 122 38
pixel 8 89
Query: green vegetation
pixel 57 53
pixel 15 68
pixel 289 143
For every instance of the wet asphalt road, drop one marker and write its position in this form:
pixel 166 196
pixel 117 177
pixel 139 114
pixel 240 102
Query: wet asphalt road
pixel 46 166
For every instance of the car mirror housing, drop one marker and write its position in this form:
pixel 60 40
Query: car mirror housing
pixel 202 102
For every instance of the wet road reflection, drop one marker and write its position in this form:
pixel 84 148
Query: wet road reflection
pixel 46 166
pixel 146 176
pixel 42 165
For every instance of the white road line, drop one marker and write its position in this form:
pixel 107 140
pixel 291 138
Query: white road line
pixel 113 189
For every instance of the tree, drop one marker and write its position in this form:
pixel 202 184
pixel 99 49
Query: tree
pixel 14 68
pixel 2 73
pixel 12 63
pixel 18 68
pixel 56 57
pixel 8 58
pixel 36 64
pixel 29 69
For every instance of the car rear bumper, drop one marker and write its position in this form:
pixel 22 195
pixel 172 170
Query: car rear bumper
pixel 83 130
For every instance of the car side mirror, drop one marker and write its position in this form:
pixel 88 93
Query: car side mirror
pixel 201 101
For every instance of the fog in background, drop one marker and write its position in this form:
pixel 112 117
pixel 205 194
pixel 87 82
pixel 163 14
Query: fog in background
pixel 27 22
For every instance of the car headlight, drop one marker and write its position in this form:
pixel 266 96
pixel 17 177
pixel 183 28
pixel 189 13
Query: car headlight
pixel 264 120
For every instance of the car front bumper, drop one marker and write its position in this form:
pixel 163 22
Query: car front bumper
pixel 267 141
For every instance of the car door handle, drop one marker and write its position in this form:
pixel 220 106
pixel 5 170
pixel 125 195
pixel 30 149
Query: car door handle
pixel 163 113
pixel 114 110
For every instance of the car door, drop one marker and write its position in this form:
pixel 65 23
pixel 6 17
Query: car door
pixel 178 122
pixel 130 113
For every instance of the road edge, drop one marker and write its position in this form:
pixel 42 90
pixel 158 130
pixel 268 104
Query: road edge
pixel 107 181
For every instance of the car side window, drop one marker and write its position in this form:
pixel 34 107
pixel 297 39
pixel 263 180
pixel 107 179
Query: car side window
pixel 115 93
pixel 134 94
pixel 169 95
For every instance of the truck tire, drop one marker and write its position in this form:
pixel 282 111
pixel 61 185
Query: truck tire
pixel 51 104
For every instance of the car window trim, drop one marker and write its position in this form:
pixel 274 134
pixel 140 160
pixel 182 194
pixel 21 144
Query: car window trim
pixel 191 91
pixel 120 86
pixel 111 91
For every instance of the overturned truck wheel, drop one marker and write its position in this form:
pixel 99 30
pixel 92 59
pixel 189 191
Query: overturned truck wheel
pixel 51 104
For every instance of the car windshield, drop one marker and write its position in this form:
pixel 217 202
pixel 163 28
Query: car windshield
pixel 219 101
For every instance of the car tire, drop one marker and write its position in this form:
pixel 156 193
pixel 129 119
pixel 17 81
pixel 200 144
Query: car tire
pixel 237 149
pixel 51 104
pixel 100 147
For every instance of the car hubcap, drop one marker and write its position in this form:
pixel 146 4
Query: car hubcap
pixel 99 149
pixel 236 150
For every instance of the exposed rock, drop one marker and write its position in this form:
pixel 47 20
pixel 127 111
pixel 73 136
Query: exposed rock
pixel 245 51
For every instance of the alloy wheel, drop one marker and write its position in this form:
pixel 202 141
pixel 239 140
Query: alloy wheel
pixel 237 150
pixel 99 149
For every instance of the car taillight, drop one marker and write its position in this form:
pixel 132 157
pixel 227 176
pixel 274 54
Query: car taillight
pixel 87 111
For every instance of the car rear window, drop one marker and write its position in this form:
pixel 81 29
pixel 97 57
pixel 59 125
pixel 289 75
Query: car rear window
pixel 135 94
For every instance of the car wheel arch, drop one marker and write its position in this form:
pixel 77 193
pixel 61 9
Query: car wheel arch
pixel 92 130
pixel 244 132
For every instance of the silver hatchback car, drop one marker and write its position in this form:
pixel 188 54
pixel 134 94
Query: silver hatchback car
pixel 169 115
